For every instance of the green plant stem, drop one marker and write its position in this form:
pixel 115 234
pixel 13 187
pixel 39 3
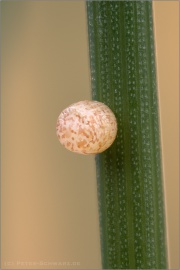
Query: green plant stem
pixel 130 191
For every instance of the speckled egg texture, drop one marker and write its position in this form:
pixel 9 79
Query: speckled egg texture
pixel 86 127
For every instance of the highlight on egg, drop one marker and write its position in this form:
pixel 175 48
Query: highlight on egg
pixel 87 127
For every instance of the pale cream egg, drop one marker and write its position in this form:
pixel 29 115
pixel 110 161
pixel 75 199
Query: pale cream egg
pixel 87 127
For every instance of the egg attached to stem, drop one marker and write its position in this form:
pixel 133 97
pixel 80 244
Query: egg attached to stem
pixel 87 127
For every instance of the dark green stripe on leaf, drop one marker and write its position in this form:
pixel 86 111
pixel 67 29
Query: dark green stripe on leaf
pixel 130 191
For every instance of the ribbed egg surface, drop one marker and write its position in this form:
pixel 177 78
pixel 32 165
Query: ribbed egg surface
pixel 86 127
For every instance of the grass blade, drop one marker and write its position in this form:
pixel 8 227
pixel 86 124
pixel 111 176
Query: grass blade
pixel 130 190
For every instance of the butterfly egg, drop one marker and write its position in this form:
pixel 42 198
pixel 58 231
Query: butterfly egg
pixel 87 127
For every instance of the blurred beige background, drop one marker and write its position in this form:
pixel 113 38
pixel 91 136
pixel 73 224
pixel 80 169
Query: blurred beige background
pixel 49 200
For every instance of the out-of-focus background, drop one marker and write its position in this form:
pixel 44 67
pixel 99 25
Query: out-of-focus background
pixel 49 200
